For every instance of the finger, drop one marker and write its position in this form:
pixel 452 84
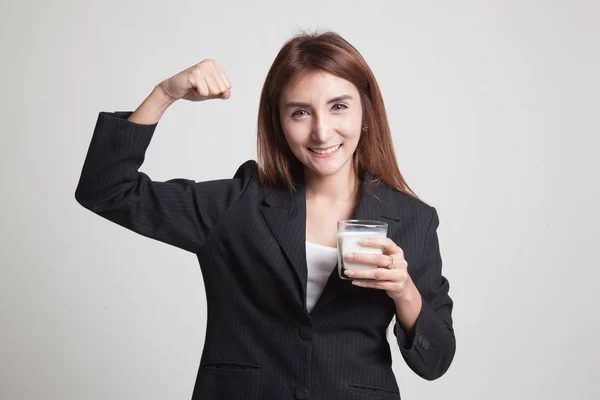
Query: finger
pixel 216 75
pixel 381 285
pixel 196 77
pixel 200 85
pixel 378 274
pixel 222 74
pixel 213 87
pixel 386 244
pixel 379 260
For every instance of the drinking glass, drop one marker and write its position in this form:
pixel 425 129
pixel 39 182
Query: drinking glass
pixel 349 232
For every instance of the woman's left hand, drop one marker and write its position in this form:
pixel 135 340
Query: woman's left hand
pixel 392 272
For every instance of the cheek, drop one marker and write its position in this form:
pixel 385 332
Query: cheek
pixel 352 131
pixel 353 126
pixel 295 134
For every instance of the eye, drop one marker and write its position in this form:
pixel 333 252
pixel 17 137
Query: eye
pixel 343 106
pixel 297 113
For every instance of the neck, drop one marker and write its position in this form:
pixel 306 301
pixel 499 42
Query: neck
pixel 341 187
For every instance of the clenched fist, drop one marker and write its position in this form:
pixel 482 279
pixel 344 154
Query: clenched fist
pixel 200 82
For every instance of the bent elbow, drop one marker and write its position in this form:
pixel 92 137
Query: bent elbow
pixel 441 366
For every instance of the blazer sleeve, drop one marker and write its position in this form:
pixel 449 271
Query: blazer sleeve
pixel 431 350
pixel 179 212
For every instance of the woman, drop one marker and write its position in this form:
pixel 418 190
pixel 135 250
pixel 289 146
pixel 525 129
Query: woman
pixel 281 323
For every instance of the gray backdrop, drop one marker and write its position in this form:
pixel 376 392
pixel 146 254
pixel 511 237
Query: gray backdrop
pixel 494 111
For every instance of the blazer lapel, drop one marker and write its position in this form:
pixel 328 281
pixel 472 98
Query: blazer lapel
pixel 285 214
pixel 376 203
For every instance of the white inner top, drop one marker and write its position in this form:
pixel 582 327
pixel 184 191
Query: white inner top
pixel 320 261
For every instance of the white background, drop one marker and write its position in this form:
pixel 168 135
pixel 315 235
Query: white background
pixel 494 109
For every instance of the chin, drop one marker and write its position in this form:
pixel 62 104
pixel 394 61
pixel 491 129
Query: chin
pixel 327 169
pixel 324 172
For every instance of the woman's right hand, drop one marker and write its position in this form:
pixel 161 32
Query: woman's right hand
pixel 200 82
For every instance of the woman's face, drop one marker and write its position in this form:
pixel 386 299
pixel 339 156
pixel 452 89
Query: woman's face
pixel 321 117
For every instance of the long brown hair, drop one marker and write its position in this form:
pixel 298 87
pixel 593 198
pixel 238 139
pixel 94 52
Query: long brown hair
pixel 326 52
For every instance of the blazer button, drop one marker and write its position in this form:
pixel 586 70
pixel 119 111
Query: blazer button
pixel 306 333
pixel 423 342
pixel 301 393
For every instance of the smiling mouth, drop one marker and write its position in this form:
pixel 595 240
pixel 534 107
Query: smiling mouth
pixel 325 151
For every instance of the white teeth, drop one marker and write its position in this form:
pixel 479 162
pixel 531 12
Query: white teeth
pixel 329 150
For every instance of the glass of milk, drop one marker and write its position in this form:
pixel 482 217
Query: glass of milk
pixel 349 232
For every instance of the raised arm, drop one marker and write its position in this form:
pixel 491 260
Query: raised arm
pixel 179 212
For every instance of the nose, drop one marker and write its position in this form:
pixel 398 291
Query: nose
pixel 322 132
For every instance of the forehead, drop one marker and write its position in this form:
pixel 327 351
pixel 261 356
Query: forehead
pixel 316 86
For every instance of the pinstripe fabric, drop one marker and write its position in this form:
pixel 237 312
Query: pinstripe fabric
pixel 261 342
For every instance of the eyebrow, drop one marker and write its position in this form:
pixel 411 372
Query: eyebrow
pixel 334 100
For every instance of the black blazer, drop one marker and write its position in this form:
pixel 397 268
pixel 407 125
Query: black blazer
pixel 261 342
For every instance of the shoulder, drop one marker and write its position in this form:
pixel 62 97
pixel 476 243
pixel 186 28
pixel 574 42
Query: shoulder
pixel 233 187
pixel 246 174
pixel 247 170
pixel 406 201
pixel 413 209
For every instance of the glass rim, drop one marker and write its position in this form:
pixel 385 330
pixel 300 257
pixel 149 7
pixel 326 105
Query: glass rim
pixel 363 222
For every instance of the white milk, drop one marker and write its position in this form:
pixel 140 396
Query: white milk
pixel 348 243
